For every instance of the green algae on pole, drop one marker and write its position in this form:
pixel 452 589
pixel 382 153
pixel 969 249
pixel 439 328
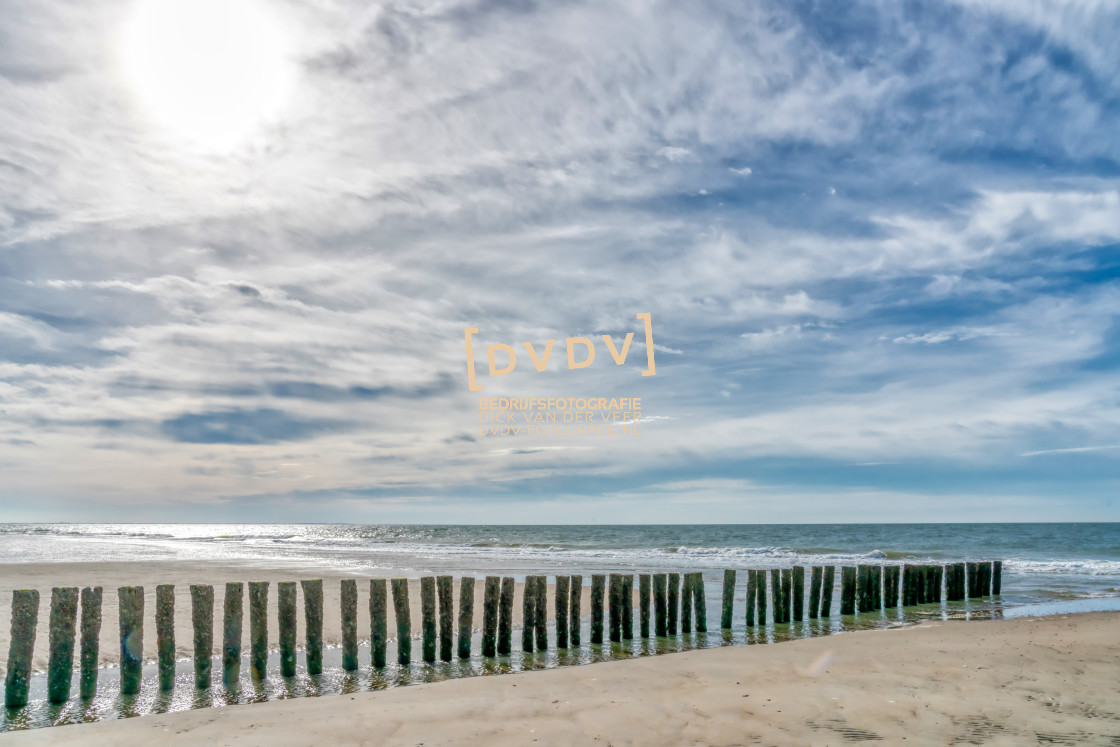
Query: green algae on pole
pixel 760 610
pixel 643 604
pixel 752 592
pixel 505 617
pixel 598 584
pixel 671 602
pixel 91 633
pixel 828 586
pixel 815 591
pixel 686 603
pixel 60 669
pixel 25 615
pixel 798 593
pixel 348 609
pixel 202 621
pixel 700 602
pixel 876 579
pixel 541 613
pixel 997 577
pixel 614 591
pixel 627 606
pixel 258 629
pixel 528 613
pixel 575 613
pixel 847 590
pixel 728 599
pixel 402 613
pixel 446 615
pixel 776 593
pixel 466 615
pixel 491 590
pixel 561 605
pixel 660 603
pixel 787 594
pixel 890 586
pixel 130 602
pixel 313 624
pixel 286 620
pixel 428 618
pixel 165 635
pixel 378 621
pixel 863 588
pixel 231 632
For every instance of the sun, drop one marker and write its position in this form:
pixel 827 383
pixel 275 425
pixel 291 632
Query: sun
pixel 214 72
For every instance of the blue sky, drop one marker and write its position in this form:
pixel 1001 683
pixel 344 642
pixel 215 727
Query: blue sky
pixel 879 243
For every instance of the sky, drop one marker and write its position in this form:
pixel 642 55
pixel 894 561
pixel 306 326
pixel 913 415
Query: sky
pixel 240 243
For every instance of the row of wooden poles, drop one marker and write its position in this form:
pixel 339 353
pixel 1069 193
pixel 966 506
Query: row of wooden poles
pixel 863 589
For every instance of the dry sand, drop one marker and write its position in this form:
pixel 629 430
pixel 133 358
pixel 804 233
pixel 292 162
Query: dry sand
pixel 1005 682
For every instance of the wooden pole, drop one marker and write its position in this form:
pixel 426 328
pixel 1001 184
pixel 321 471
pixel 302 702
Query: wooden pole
pixel 165 635
pixel 615 607
pixel 348 608
pixel 428 617
pixel 628 606
pixel 776 593
pixel 313 623
pixel 863 588
pixel 490 593
pixel 598 582
pixel 660 603
pixel 91 633
pixel 671 603
pixel 403 616
pixel 231 632
pixel 728 599
pixel 760 608
pixel 445 593
pixel 686 603
pixel 997 577
pixel 752 592
pixel 643 604
pixel 505 617
pixel 466 616
pixel 828 585
pixel 938 579
pixel 378 621
pixel 890 586
pixel 286 620
pixel 258 629
pixel 131 608
pixel 798 593
pixel 528 613
pixel 575 614
pixel 787 594
pixel 933 591
pixel 848 590
pixel 876 588
pixel 986 579
pixel 907 585
pixel 541 613
pixel 700 602
pixel 25 616
pixel 815 591
pixel 64 616
pixel 561 611
pixel 202 620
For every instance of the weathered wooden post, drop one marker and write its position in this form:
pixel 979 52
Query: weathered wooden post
pixel 909 598
pixel 286 622
pixel 815 577
pixel 541 613
pixel 798 593
pixel 787 594
pixel 575 605
pixel 728 599
pixel 643 604
pixel 848 590
pixel 258 629
pixel 64 616
pixel 863 588
pixel 561 609
pixel 348 609
pixel 231 633
pixel 700 602
pixel 671 602
pixel 960 582
pixel 615 607
pixel 938 579
pixel 752 592
pixel 313 623
pixel 890 586
pixel 446 616
pixel 466 616
pixel 25 616
pixel 876 588
pixel 505 617
pixel 686 603
pixel 598 582
pixel 628 606
pixel 202 620
pixel 91 632
pixel 828 585
pixel 490 593
pixel 165 635
pixel 378 621
pixel 760 609
pixel 131 607
pixel 985 579
pixel 776 593
pixel 528 613
pixel 973 580
pixel 403 615
pixel 997 577
pixel 660 603
pixel 428 617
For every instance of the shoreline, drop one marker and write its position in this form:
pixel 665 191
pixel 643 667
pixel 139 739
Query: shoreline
pixel 1005 681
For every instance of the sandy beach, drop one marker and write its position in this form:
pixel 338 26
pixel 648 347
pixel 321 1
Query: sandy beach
pixel 1004 682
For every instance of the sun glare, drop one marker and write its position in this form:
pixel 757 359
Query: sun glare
pixel 212 71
